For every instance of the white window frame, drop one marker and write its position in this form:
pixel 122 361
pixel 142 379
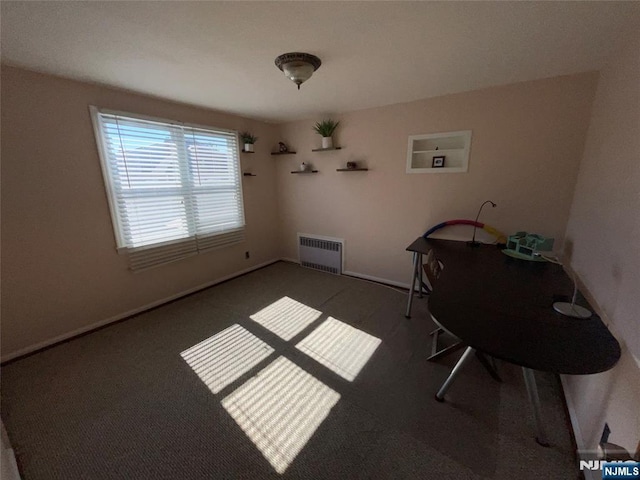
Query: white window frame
pixel 117 225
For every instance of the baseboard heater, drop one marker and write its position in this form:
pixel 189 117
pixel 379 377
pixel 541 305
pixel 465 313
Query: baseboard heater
pixel 320 253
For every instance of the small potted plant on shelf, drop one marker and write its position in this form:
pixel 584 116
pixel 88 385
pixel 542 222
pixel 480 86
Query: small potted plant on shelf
pixel 248 139
pixel 326 129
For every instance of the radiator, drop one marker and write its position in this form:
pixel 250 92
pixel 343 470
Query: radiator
pixel 320 253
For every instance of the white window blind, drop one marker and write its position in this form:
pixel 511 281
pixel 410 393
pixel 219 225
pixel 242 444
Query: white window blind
pixel 174 189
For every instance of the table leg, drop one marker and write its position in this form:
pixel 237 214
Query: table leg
pixel 532 391
pixel 420 276
pixel 489 366
pixel 412 286
pixel 468 353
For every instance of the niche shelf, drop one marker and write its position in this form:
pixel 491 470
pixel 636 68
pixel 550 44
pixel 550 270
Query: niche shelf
pixel 453 146
pixel 326 149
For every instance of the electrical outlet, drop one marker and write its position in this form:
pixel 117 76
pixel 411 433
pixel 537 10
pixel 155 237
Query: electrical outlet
pixel 246 255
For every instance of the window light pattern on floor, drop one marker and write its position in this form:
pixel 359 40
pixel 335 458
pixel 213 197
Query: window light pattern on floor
pixel 279 410
pixel 340 347
pixel 224 357
pixel 286 317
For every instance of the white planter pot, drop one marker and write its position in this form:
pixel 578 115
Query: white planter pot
pixel 327 142
pixel 248 147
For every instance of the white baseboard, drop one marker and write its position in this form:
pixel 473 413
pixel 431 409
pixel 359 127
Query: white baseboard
pixel 360 275
pixel 8 465
pixel 577 431
pixel 121 316
pixel 377 279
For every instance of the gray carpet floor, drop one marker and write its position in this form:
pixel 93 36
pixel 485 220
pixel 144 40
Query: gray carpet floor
pixel 124 403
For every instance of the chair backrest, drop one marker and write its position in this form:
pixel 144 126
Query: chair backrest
pixel 432 268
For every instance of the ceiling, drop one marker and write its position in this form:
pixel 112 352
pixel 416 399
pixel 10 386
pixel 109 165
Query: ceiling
pixel 220 54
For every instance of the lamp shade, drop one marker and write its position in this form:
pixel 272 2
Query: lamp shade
pixel 297 66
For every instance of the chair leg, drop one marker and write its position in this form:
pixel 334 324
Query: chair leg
pixel 454 373
pixel 435 353
pixel 414 276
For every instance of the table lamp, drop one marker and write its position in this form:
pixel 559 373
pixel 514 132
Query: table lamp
pixel 473 242
pixel 571 309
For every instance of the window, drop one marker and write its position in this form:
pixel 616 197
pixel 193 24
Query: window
pixel 174 189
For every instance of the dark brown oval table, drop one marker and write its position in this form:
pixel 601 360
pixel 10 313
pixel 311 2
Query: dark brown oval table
pixel 502 306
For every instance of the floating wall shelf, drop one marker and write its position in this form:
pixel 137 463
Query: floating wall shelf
pixel 245 151
pixel 306 171
pixel 352 169
pixel 326 149
pixel 247 174
pixel 283 153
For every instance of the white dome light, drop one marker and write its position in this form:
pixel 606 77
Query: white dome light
pixel 298 67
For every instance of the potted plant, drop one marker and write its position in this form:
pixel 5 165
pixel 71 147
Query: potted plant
pixel 326 129
pixel 248 139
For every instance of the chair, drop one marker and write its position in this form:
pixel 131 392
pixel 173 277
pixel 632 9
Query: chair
pixel 433 268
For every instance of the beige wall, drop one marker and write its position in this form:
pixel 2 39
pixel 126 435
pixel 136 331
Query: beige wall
pixel 527 142
pixel 60 270
pixel 604 235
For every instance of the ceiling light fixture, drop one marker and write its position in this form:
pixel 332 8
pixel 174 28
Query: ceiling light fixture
pixel 297 66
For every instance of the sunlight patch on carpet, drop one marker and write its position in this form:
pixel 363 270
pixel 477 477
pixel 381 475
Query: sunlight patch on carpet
pixel 340 347
pixel 286 317
pixel 224 357
pixel 280 409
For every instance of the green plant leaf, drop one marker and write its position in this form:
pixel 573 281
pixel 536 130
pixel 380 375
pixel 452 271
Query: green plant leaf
pixel 326 127
pixel 247 137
